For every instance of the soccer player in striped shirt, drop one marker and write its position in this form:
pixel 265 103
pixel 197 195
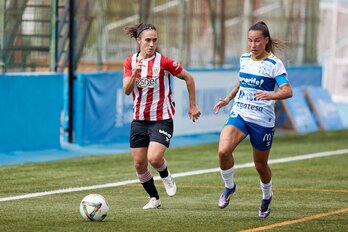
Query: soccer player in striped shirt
pixel 253 112
pixel 147 77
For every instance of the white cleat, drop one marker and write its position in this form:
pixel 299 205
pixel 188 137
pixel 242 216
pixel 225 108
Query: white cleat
pixel 169 185
pixel 153 203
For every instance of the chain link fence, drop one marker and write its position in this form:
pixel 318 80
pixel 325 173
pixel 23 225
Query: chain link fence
pixel 197 33
pixel 186 29
pixel 333 48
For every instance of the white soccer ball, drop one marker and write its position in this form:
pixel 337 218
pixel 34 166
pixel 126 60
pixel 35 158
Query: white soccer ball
pixel 94 207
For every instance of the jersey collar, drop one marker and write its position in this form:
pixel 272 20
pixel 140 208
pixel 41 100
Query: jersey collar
pixel 262 58
pixel 148 59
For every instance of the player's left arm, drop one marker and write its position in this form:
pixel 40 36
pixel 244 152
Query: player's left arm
pixel 194 111
pixel 284 92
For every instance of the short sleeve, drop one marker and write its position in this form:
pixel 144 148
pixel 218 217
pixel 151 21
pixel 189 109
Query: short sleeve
pixel 171 66
pixel 280 74
pixel 127 67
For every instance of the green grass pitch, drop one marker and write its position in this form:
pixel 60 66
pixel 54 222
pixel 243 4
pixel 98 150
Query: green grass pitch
pixel 309 195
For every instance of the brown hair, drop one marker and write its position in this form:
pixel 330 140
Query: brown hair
pixel 273 44
pixel 135 30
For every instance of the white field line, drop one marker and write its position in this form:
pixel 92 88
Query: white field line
pixel 182 174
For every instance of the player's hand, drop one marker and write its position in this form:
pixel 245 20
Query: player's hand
pixel 262 95
pixel 194 113
pixel 138 66
pixel 221 103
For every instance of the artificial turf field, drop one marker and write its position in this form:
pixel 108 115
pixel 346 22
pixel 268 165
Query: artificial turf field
pixel 309 194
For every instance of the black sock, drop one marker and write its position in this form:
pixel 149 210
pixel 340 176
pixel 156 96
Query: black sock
pixel 150 188
pixel 164 173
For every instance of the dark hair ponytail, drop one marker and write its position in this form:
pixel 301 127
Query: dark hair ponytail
pixel 135 30
pixel 273 44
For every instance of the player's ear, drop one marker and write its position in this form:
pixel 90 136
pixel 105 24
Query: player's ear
pixel 138 40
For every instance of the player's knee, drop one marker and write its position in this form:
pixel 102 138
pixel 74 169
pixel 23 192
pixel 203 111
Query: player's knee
pixel 224 154
pixel 140 166
pixel 261 167
pixel 156 161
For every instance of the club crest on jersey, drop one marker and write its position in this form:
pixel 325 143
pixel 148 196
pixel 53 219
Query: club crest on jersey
pixel 149 83
pixel 156 71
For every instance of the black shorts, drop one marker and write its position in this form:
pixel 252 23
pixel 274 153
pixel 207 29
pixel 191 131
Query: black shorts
pixel 143 132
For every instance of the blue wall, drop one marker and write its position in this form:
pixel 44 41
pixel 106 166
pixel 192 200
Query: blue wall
pixel 103 112
pixel 101 108
pixel 305 75
pixel 31 105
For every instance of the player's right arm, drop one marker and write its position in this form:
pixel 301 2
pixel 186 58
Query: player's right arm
pixel 224 101
pixel 130 75
pixel 194 111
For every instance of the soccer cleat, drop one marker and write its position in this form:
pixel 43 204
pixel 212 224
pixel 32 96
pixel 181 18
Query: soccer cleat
pixel 265 210
pixel 224 199
pixel 169 185
pixel 153 203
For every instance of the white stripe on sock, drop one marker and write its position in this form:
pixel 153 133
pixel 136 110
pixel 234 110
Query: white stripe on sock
pixel 145 176
pixel 266 190
pixel 227 177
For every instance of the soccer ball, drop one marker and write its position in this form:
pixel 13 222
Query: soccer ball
pixel 94 207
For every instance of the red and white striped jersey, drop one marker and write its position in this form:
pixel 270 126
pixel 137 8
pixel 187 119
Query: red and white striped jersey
pixel 152 94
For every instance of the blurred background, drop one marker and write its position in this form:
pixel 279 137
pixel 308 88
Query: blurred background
pixel 198 33
pixel 69 38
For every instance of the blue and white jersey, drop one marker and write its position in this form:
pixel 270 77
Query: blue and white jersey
pixel 258 75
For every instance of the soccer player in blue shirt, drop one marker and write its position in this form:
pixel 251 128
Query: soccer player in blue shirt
pixel 253 112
